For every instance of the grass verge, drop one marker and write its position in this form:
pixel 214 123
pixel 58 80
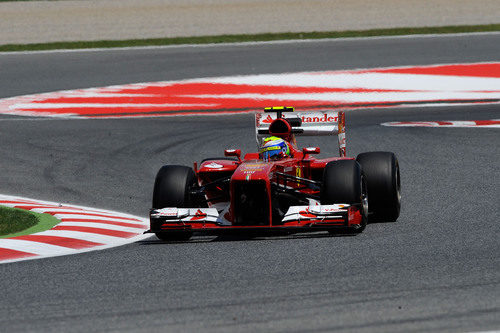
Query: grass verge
pixel 17 222
pixel 247 38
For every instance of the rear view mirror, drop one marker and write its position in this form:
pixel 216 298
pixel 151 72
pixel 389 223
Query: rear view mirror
pixel 311 150
pixel 233 152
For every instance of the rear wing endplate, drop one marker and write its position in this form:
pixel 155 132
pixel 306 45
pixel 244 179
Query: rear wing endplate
pixel 304 123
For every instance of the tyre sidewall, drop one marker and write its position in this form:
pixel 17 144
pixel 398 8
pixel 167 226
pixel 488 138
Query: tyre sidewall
pixel 381 170
pixel 343 182
pixel 172 184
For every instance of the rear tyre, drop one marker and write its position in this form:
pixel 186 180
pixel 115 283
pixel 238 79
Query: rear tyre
pixel 344 182
pixel 384 185
pixel 171 189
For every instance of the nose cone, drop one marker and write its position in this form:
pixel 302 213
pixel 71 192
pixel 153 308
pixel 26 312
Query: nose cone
pixel 251 194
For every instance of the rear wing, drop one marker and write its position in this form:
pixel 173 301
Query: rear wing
pixel 304 123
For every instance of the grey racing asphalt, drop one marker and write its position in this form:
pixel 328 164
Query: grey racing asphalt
pixel 436 269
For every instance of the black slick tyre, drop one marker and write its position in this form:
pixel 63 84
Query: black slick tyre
pixel 171 189
pixel 343 182
pixel 384 185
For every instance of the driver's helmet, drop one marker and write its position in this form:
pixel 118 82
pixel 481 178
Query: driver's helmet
pixel 274 148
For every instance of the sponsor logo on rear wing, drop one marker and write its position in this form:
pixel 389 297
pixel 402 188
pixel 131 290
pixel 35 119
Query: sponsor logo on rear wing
pixel 306 123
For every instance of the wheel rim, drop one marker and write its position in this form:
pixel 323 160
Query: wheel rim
pixel 398 186
pixel 364 198
pixel 364 206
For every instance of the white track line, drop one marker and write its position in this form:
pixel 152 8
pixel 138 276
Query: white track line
pixel 245 44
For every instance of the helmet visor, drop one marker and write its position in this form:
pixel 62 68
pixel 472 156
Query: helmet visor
pixel 271 154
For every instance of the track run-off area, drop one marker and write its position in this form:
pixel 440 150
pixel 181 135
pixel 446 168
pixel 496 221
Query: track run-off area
pixel 436 269
pixel 379 87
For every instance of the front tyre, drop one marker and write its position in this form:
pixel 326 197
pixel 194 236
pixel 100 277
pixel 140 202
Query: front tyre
pixel 344 182
pixel 384 185
pixel 171 189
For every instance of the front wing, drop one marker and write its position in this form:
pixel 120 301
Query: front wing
pixel 208 221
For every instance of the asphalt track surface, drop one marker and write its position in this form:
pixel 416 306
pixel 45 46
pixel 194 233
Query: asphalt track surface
pixel 436 269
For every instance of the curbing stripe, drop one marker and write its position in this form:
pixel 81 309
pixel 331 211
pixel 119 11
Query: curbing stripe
pixel 93 217
pixel 60 241
pixel 493 123
pixel 33 247
pixel 457 83
pixel 78 235
pixel 80 213
pixel 123 224
pixel 14 255
pixel 107 232
pixel 81 229
pixel 101 226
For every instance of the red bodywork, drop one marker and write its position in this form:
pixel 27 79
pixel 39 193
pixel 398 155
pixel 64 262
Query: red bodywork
pixel 252 170
pixel 254 181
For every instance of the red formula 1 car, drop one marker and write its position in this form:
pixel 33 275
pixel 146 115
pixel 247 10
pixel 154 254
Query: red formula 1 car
pixel 293 193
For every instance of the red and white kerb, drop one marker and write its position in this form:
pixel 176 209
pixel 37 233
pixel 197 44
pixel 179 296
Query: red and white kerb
pixel 493 123
pixel 379 87
pixel 81 229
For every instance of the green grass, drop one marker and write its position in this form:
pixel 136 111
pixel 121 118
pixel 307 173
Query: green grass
pixel 247 38
pixel 16 222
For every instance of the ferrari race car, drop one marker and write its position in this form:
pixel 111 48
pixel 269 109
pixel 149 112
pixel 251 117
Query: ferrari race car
pixel 288 192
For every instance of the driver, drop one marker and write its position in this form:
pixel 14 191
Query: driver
pixel 274 148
